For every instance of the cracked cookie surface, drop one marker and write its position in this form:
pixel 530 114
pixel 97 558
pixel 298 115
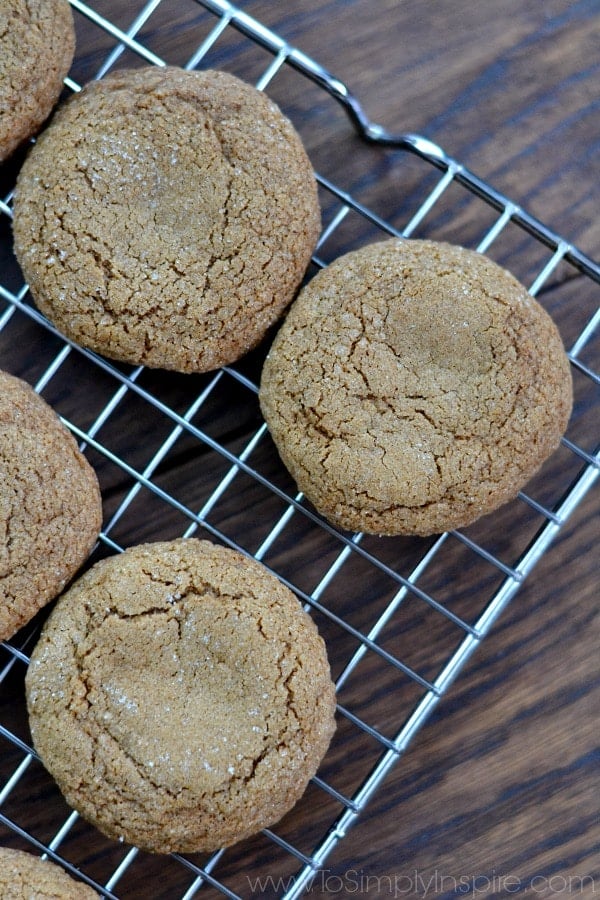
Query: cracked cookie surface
pixel 166 217
pixel 413 387
pixel 180 696
pixel 37 43
pixel 27 877
pixel 50 504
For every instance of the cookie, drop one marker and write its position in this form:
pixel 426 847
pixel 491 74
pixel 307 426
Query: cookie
pixel 50 506
pixel 413 387
pixel 27 877
pixel 166 217
pixel 37 43
pixel 180 696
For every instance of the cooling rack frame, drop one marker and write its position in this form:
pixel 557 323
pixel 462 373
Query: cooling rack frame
pixel 238 463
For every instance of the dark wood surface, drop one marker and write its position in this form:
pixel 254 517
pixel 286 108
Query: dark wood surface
pixel 498 792
pixel 501 787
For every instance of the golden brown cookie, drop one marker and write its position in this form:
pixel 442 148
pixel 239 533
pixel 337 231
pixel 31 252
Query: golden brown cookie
pixel 180 696
pixel 27 877
pixel 37 42
pixel 166 217
pixel 50 506
pixel 413 387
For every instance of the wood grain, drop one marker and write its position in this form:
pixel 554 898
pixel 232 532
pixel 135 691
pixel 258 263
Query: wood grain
pixel 498 793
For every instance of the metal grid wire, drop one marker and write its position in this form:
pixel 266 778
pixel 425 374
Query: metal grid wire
pixel 178 454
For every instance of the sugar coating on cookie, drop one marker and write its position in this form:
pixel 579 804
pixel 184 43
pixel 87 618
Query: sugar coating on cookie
pixel 50 504
pixel 413 387
pixel 180 696
pixel 166 217
pixel 37 43
pixel 27 877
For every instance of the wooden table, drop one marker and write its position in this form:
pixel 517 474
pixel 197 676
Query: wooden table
pixel 497 792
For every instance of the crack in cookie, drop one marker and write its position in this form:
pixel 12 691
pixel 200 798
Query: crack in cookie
pixel 37 43
pixel 180 696
pixel 166 217
pixel 413 387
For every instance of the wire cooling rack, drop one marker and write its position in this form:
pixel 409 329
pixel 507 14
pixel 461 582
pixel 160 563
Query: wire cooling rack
pixel 180 454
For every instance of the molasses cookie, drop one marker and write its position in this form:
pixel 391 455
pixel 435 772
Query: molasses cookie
pixel 37 42
pixel 413 387
pixel 27 877
pixel 180 696
pixel 50 506
pixel 166 217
